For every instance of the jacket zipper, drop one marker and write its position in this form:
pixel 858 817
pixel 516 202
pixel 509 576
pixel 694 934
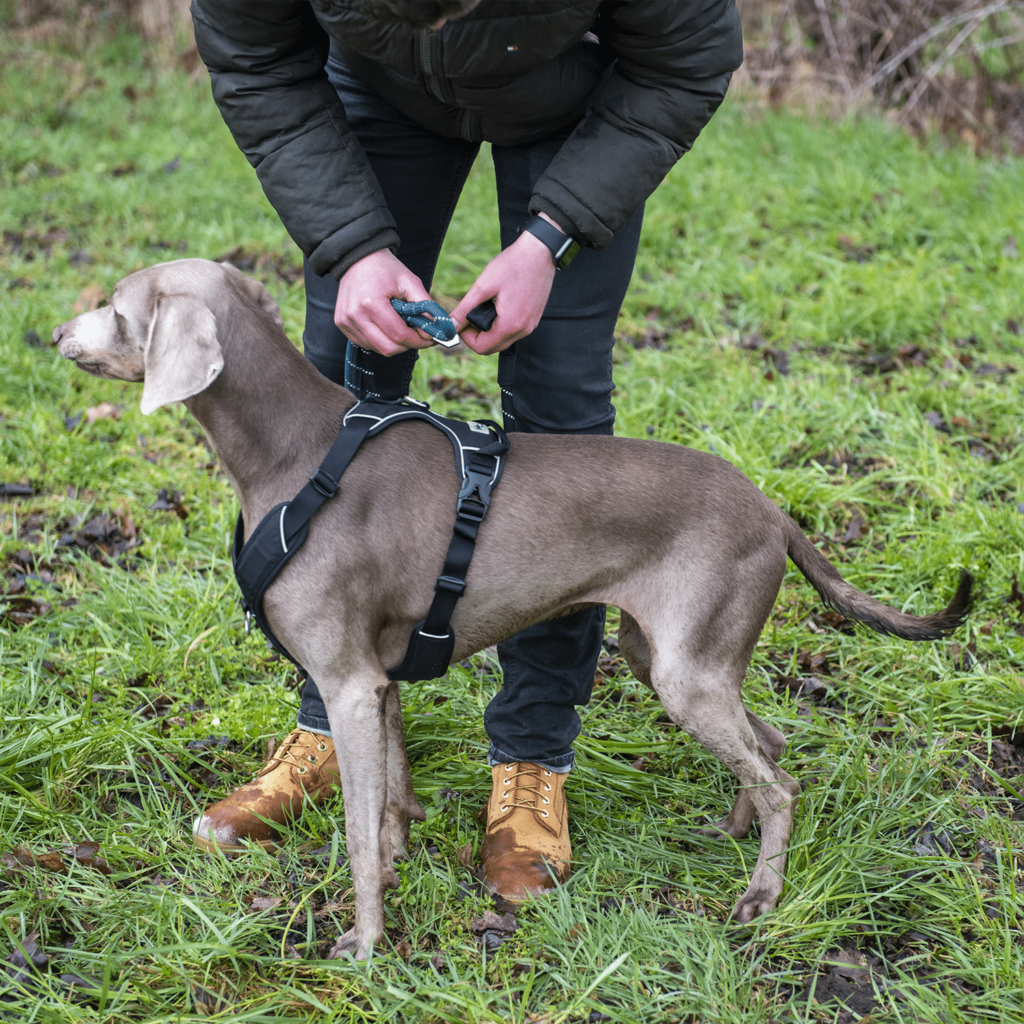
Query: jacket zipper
pixel 430 65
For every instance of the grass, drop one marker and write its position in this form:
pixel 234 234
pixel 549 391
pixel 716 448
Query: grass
pixel 830 306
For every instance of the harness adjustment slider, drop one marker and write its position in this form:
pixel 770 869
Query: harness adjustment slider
pixel 450 584
pixel 472 508
pixel 324 482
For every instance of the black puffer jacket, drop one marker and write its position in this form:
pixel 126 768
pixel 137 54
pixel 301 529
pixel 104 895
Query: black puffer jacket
pixel 510 72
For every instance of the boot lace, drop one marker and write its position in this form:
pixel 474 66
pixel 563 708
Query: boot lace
pixel 300 749
pixel 524 786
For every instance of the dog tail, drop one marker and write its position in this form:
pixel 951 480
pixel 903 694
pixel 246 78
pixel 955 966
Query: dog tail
pixel 853 603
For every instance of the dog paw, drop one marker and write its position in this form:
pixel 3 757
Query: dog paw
pixel 724 828
pixel 351 943
pixel 751 905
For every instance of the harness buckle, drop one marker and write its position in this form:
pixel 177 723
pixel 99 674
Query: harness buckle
pixel 324 483
pixel 248 622
pixel 474 497
pixel 475 494
pixel 450 584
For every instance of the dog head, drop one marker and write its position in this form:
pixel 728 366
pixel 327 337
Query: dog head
pixel 160 327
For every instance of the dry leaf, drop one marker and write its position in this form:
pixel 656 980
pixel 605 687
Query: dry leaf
pixel 490 921
pixel 85 853
pixel 21 857
pixel 266 902
pixel 103 411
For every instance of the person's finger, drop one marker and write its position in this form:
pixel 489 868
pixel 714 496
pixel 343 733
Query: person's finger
pixel 491 342
pixel 389 338
pixel 478 292
pixel 398 330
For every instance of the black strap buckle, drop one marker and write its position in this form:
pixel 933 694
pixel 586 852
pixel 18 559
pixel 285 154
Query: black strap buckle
pixel 324 482
pixel 451 585
pixel 475 493
pixel 473 504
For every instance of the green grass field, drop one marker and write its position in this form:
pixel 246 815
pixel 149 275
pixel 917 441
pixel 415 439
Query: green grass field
pixel 833 308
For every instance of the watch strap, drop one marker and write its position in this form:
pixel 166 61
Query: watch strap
pixel 563 247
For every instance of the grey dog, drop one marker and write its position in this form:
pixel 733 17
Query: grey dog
pixel 681 541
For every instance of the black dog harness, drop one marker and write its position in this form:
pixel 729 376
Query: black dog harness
pixel 480 448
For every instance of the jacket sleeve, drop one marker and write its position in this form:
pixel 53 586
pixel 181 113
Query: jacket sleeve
pixel 674 62
pixel 266 63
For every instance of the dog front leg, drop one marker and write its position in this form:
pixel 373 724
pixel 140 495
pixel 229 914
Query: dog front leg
pixel 357 710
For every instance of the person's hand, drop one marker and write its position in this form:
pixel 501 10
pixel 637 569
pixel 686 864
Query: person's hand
pixel 364 311
pixel 519 280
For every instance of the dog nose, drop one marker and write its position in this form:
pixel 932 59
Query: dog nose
pixel 58 332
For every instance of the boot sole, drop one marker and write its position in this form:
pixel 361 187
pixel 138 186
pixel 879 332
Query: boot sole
pixel 207 846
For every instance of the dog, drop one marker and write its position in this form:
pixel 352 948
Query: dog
pixel 689 550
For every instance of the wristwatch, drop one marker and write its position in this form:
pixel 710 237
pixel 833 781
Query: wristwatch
pixel 563 247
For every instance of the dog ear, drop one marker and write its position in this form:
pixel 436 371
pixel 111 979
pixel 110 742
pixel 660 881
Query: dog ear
pixel 255 292
pixel 267 304
pixel 182 354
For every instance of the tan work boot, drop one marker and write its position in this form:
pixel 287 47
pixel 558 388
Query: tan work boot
pixel 526 848
pixel 304 767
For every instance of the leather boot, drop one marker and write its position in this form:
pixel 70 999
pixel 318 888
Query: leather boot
pixel 304 767
pixel 526 849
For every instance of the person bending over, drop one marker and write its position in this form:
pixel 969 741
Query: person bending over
pixel 362 119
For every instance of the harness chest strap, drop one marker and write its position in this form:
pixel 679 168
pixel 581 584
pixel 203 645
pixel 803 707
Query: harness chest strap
pixel 258 561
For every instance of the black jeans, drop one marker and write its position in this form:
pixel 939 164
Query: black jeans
pixel 557 380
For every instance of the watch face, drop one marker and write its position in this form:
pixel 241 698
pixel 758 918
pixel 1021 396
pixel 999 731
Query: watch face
pixel 565 257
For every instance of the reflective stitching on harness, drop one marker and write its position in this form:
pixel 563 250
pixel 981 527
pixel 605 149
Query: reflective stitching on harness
pixel 284 546
pixel 382 422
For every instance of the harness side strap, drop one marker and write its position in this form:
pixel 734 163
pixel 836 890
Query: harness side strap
pixel 474 501
pixel 323 484
pixel 433 640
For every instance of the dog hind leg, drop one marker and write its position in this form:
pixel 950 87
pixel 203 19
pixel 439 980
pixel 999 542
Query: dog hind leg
pixel 705 702
pixel 634 647
pixel 637 652
pixel 738 821
pixel 402 805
